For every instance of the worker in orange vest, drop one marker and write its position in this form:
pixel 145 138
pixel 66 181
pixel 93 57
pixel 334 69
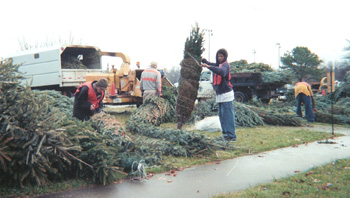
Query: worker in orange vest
pixel 88 99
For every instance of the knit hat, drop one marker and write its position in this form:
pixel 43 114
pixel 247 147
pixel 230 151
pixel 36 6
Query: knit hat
pixel 102 83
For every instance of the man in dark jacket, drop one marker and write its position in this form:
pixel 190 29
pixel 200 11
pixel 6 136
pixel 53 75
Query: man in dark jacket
pixel 224 93
pixel 88 99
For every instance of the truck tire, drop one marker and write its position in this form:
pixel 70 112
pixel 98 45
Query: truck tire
pixel 265 101
pixel 240 96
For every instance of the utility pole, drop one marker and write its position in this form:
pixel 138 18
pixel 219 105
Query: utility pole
pixel 254 52
pixel 210 34
pixel 279 57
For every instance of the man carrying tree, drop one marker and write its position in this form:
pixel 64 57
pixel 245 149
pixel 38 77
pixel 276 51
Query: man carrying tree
pixel 303 95
pixel 224 93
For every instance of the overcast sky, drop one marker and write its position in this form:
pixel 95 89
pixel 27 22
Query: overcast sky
pixel 156 30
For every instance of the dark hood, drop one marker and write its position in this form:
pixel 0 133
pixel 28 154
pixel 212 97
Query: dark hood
pixel 223 52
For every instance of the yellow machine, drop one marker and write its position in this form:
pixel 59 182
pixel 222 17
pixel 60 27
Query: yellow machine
pixel 326 84
pixel 123 84
pixel 330 82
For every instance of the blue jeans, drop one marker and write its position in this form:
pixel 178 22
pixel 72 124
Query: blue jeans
pixel 302 98
pixel 227 119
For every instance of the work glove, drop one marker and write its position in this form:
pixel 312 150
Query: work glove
pixel 99 110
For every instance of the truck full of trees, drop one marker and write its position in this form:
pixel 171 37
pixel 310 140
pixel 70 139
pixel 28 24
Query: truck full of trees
pixel 246 86
pixel 61 68
pixel 261 81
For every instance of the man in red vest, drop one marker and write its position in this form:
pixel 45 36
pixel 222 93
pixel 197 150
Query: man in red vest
pixel 88 99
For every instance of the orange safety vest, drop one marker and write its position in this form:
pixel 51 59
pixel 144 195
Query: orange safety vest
pixel 218 78
pixel 92 98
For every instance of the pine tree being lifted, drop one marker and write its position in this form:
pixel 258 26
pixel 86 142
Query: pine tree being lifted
pixel 190 74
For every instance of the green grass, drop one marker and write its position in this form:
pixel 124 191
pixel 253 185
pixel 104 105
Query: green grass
pixel 331 180
pixel 122 113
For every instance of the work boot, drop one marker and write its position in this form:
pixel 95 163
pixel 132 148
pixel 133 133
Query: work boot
pixel 228 139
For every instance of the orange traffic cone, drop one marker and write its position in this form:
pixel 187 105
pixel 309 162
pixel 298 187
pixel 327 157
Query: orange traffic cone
pixel 323 92
pixel 112 92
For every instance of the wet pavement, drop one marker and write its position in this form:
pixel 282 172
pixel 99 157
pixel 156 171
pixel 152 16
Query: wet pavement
pixel 230 175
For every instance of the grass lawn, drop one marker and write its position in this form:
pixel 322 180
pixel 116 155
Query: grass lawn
pixel 331 180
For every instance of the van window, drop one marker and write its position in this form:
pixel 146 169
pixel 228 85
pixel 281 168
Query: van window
pixel 205 76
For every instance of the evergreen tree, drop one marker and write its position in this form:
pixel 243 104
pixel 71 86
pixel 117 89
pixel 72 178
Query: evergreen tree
pixel 194 44
pixel 302 62
pixel 190 74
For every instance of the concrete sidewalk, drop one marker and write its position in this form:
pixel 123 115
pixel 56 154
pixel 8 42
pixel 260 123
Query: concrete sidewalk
pixel 227 176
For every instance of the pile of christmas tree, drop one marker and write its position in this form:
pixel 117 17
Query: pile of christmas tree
pixel 40 141
pixel 277 78
pixel 145 121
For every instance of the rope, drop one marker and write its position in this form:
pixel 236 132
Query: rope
pixel 138 170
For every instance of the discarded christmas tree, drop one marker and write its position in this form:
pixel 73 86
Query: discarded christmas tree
pixel 144 124
pixel 190 74
pixel 41 142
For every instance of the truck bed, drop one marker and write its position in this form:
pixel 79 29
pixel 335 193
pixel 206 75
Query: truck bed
pixel 58 66
pixel 74 77
pixel 246 79
pixel 251 79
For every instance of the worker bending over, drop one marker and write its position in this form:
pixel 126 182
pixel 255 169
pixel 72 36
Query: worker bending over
pixel 151 82
pixel 303 95
pixel 88 99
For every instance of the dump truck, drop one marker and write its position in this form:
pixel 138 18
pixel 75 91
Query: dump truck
pixel 60 68
pixel 246 86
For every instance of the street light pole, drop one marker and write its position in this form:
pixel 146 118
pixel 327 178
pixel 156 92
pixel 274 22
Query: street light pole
pixel 210 34
pixel 279 57
pixel 254 52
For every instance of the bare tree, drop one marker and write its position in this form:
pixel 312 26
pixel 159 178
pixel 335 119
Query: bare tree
pixel 340 70
pixel 347 49
pixel 174 74
pixel 25 44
